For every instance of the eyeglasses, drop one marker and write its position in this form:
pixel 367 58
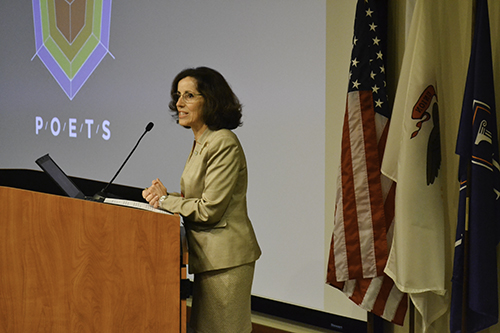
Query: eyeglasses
pixel 188 97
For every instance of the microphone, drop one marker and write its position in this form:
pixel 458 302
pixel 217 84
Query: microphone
pixel 101 195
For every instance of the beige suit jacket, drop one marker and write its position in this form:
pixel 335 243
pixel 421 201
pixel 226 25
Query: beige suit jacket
pixel 213 204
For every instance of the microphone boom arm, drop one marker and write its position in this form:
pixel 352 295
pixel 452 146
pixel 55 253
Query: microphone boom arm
pixel 101 195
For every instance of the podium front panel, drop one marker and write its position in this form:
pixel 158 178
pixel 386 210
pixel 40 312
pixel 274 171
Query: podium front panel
pixel 69 265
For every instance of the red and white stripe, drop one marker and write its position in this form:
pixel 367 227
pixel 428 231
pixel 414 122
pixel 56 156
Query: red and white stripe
pixel 363 214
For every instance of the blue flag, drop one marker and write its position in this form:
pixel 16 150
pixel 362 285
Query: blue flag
pixel 479 177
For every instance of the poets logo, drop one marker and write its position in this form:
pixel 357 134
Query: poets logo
pixel 72 38
pixel 73 127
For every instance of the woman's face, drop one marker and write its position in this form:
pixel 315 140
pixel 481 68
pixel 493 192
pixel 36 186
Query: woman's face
pixel 190 113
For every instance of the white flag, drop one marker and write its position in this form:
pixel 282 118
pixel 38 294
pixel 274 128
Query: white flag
pixel 412 159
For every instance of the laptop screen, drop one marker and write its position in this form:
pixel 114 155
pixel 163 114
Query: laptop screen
pixel 55 172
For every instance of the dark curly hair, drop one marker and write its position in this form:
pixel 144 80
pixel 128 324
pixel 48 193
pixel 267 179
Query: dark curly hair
pixel 221 109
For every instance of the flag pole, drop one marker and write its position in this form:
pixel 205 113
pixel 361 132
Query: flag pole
pixel 370 323
pixel 465 285
pixel 412 316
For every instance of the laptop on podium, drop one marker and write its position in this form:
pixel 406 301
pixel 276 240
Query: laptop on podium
pixel 50 167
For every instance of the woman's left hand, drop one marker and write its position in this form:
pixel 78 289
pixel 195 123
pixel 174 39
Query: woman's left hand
pixel 153 193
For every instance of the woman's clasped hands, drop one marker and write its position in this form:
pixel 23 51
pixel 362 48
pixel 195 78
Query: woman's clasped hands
pixel 153 193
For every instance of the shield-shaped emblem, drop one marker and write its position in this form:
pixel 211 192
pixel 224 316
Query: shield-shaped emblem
pixel 72 38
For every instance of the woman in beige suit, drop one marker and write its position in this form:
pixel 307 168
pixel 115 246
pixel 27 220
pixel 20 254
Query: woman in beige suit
pixel 222 244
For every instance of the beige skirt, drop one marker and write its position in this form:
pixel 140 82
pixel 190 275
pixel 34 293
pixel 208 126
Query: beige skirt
pixel 222 300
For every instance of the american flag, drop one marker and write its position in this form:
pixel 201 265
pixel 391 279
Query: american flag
pixel 365 198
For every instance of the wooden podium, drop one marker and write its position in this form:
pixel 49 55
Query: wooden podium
pixel 69 265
